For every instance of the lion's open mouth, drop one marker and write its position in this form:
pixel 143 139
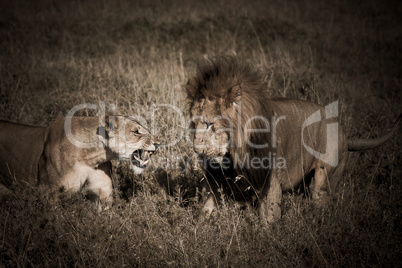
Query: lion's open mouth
pixel 140 158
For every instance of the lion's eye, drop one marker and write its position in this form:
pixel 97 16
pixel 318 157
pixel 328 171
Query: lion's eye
pixel 208 124
pixel 136 132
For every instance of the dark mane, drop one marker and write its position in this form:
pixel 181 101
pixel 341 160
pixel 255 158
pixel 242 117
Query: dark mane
pixel 218 78
pixel 241 92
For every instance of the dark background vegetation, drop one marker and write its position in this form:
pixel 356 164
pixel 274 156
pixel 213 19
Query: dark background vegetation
pixel 133 54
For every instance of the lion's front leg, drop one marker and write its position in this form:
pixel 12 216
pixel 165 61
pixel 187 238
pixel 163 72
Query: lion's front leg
pixel 209 205
pixel 213 196
pixel 100 184
pixel 270 206
pixel 318 185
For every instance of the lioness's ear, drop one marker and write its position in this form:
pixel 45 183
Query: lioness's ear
pixel 108 124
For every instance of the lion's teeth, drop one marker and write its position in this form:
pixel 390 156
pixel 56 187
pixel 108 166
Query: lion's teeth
pixel 141 158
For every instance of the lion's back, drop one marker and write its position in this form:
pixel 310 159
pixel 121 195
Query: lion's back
pixel 20 149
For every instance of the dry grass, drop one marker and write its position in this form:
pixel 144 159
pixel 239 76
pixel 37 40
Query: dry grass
pixel 57 54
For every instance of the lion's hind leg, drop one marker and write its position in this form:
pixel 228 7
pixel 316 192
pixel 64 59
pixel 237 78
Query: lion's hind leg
pixel 319 184
pixel 320 187
pixel 325 180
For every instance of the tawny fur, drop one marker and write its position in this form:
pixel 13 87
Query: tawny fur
pixel 45 155
pixel 222 96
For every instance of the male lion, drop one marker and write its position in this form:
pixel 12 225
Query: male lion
pixel 255 146
pixel 73 152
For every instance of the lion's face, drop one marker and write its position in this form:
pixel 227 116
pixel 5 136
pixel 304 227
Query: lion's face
pixel 131 141
pixel 223 98
pixel 209 130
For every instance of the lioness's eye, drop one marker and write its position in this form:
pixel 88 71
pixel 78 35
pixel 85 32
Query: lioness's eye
pixel 136 132
pixel 209 124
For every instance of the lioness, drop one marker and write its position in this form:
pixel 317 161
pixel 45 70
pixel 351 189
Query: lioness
pixel 73 152
pixel 255 146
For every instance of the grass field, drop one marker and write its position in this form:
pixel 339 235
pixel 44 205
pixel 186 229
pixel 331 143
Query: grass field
pixel 136 55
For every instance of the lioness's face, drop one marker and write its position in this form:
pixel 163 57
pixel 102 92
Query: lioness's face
pixel 209 130
pixel 132 141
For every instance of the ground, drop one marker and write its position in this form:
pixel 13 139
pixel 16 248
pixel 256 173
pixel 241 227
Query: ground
pixel 133 58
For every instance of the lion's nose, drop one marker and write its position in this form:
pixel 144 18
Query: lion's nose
pixel 156 145
pixel 198 149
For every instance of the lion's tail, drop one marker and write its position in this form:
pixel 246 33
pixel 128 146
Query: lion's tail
pixel 366 144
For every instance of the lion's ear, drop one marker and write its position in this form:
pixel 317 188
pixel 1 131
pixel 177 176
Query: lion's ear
pixel 191 88
pixel 234 95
